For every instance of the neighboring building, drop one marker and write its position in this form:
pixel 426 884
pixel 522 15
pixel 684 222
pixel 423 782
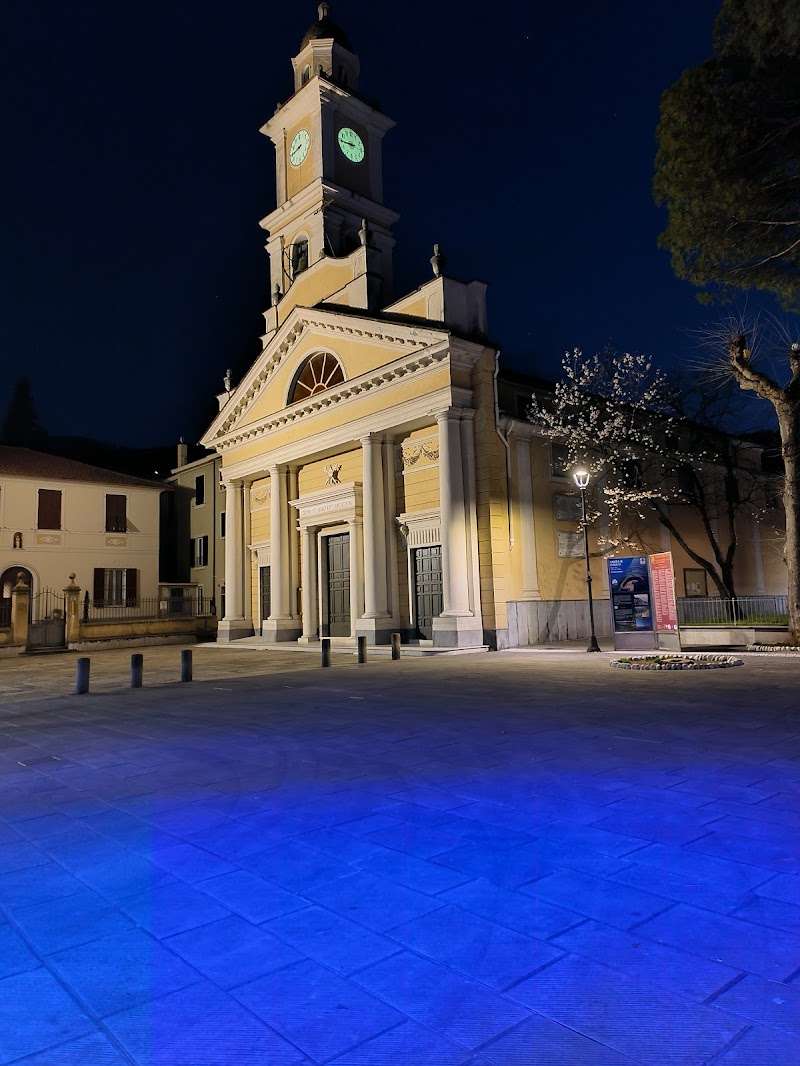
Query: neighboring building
pixel 373 483
pixel 196 529
pixel 59 517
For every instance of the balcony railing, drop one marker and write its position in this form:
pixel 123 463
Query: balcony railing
pixel 742 611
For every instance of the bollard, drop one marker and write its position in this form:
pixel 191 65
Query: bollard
pixel 186 664
pixel 395 645
pixel 82 680
pixel 362 649
pixel 326 651
pixel 137 669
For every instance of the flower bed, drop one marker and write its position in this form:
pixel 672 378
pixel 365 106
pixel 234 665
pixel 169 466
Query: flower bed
pixel 700 661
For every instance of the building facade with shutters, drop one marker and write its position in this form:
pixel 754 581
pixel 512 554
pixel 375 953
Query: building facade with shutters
pixel 59 517
pixel 198 528
pixel 378 474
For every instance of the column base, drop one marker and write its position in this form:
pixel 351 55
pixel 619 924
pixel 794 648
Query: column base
pixel 280 630
pixel 451 631
pixel 307 640
pixel 377 630
pixel 230 629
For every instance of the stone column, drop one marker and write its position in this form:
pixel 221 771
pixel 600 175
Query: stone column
pixel 356 577
pixel 294 547
pixel 234 624
pixel 458 625
pixel 247 555
pixel 310 613
pixel 390 529
pixel 374 623
pixel 72 611
pixel 280 625
pixel 527 521
pixel 20 609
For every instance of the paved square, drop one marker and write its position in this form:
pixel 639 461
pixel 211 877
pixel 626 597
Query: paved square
pixel 474 860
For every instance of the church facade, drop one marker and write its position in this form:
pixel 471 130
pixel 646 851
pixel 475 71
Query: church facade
pixel 373 483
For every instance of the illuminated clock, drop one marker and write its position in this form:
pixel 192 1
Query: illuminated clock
pixel 351 144
pixel 298 149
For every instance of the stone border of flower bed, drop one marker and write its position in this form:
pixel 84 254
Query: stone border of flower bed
pixel 776 649
pixel 699 661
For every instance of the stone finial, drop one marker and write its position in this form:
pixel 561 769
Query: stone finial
pixel 322 11
pixel 226 381
pixel 437 261
pixel 365 234
pixel 276 295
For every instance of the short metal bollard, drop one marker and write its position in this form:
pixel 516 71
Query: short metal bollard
pixel 326 651
pixel 395 645
pixel 82 678
pixel 137 670
pixel 186 664
pixel 362 649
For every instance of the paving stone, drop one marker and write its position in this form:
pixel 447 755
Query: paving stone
pixel 680 887
pixel 20 856
pixel 167 909
pixel 374 902
pixel 420 841
pixel 458 1008
pixel 772 912
pixel 785 887
pixel 200 1026
pixel 115 972
pixel 760 1045
pixel 652 1025
pixel 544 1042
pixel 736 943
pixel 190 863
pixel 406 1043
pixel 253 897
pixel 15 955
pixel 94 1049
pixel 725 873
pixel 68 922
pixel 475 946
pixel 505 867
pixel 37 884
pixel 597 898
pixel 233 951
pixel 639 957
pixel 317 1011
pixel 416 814
pixel 675 826
pixel 601 841
pixel 766 1002
pixel 295 867
pixel 35 1013
pixel 336 942
pixel 348 847
pixel 413 873
pixel 523 913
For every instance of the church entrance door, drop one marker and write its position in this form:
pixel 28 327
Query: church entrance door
pixel 336 606
pixel 428 582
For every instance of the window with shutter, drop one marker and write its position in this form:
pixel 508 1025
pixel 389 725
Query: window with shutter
pixel 49 509
pixel 199 490
pixel 116 513
pixel 131 588
pixel 99 587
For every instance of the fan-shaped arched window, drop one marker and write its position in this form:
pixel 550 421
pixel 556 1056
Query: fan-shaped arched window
pixel 318 373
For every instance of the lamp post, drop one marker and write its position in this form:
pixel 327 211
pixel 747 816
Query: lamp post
pixel 581 479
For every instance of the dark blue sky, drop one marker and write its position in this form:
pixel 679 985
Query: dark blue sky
pixel 133 269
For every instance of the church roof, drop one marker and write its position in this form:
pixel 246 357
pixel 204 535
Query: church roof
pixel 24 462
pixel 324 29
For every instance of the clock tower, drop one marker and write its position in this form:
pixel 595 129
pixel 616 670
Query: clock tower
pixel 328 165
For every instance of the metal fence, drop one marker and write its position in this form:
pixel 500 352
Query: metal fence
pixel 148 607
pixel 742 611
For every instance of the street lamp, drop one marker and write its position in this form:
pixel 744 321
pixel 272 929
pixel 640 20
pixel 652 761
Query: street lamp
pixel 581 479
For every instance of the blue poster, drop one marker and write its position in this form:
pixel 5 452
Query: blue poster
pixel 629 587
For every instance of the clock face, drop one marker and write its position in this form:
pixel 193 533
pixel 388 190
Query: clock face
pixel 298 149
pixel 351 144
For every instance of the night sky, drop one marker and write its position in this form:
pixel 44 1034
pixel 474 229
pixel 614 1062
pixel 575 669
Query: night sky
pixel 133 267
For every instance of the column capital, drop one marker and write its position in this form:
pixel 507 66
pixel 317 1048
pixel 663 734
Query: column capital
pixel 449 414
pixel 370 438
pixel 275 469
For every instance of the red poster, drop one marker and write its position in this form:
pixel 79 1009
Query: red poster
pixel 663 581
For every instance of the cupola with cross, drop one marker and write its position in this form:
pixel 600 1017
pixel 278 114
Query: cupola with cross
pixel 328 166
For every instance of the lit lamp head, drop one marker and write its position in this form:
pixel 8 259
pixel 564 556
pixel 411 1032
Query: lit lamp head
pixel 581 478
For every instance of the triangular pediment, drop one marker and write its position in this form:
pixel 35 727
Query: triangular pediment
pixel 363 345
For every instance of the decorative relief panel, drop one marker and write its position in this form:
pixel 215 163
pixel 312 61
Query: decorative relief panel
pixel 48 538
pixel 259 497
pixel 112 542
pixel 420 453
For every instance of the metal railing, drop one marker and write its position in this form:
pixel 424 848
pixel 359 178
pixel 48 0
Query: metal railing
pixel 147 607
pixel 742 611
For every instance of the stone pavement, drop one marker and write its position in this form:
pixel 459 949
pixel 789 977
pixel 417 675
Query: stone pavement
pixel 493 860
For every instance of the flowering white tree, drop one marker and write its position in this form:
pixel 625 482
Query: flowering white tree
pixel 624 420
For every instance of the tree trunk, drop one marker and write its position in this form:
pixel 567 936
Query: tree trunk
pixel 789 424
